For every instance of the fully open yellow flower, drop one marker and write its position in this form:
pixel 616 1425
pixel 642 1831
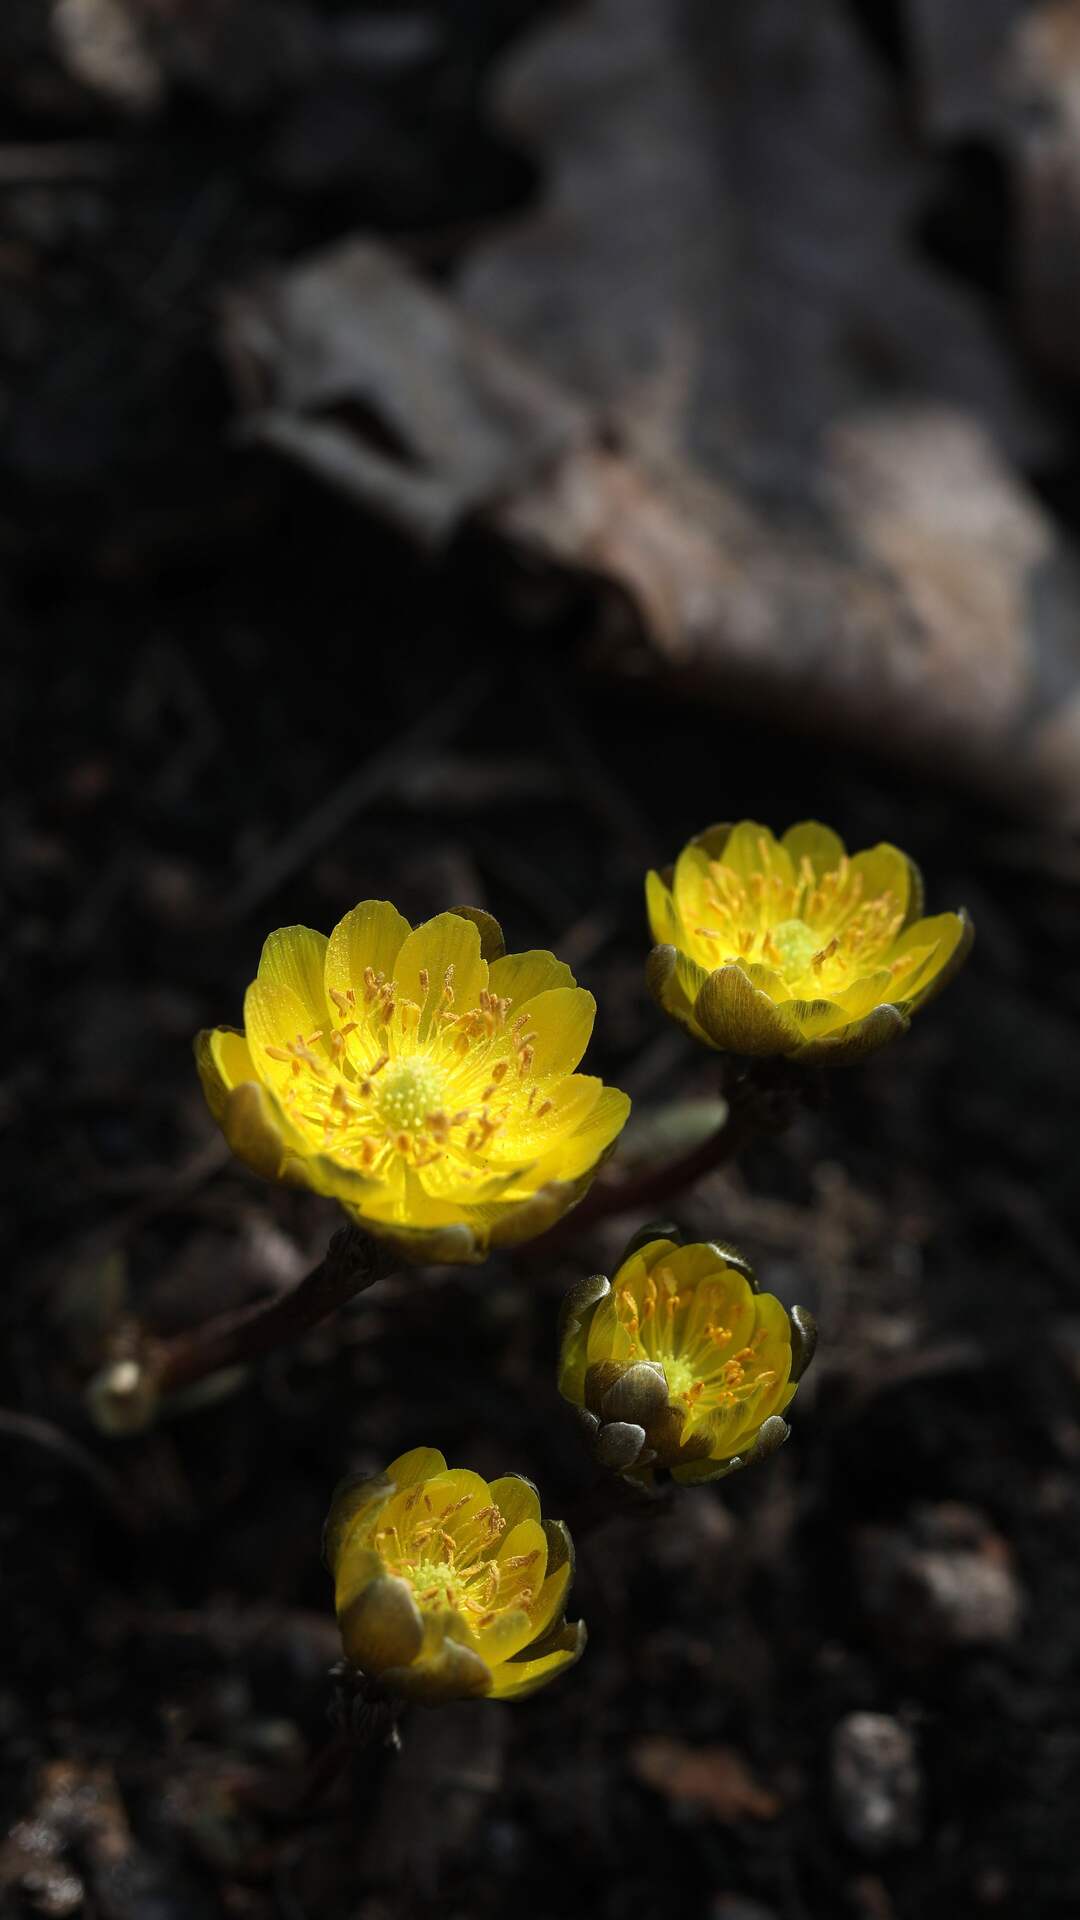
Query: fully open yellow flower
pixel 425 1083
pixel 448 1588
pixel 679 1362
pixel 794 946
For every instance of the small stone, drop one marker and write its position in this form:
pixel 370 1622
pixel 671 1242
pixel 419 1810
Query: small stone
pixel 101 44
pixel 875 1780
pixel 944 1580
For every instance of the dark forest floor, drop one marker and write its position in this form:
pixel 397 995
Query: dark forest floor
pixel 203 647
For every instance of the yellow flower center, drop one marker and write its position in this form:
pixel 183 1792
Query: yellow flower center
pixel 448 1557
pixel 686 1333
pixel 395 1084
pixel 796 943
pixel 407 1092
pixel 819 932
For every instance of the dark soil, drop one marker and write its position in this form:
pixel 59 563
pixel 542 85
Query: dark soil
pixel 202 650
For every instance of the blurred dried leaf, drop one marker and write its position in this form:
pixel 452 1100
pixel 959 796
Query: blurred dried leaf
pixel 716 1778
pixel 713 373
pixel 103 46
pixel 351 366
pixel 725 265
pixel 1040 85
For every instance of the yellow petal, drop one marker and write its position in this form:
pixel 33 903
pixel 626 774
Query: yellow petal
pixel 457 1187
pixel 608 1338
pixel 690 977
pixel 515 1679
pixel 631 1277
pixel 775 1349
pixel 223 1059
pixel 662 980
pixel 255 1129
pixel 420 1463
pixel 492 943
pixel 275 1017
pixel 948 938
pixel 519 977
pixel 660 907
pixel 819 844
pixel 532 1133
pixel 440 967
pixel 754 1411
pixel 688 889
pixel 522 1562
pixel 456 1497
pixel 584 1149
pixel 558 1028
pixel 504 1636
pixel 356 1499
pixel 883 869
pixel 916 893
pixel 713 840
pixel 294 958
pixel 698 1261
pixel 652 1252
pixel 551 1600
pixel 357 1567
pixel 752 849
pixel 866 993
pixel 452 1244
pixel 815 1017
pixel 724 1299
pixel 516 1499
pixel 560 1546
pixel 767 980
pixel 372 935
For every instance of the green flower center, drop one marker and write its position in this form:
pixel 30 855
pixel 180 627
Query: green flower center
pixel 439 1582
pixel 704 1372
pixel 796 944
pixel 406 1092
pixel 678 1372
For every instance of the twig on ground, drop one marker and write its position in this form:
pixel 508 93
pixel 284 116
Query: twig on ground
pixel 761 1097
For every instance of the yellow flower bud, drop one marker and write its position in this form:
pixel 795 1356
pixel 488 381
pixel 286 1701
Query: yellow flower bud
pixel 448 1588
pixel 680 1362
pixel 793 946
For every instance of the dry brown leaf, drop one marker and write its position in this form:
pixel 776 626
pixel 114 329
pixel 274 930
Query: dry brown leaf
pixel 716 1778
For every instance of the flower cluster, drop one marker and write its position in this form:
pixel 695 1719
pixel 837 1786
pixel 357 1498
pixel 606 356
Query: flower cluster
pixel 426 1080
pixel 448 1588
pixel 793 946
pixel 423 1078
pixel 680 1362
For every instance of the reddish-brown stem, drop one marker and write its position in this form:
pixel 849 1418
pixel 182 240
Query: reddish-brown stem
pixel 352 1261
pixel 761 1099
pixel 125 1395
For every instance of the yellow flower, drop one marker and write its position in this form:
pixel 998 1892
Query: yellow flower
pixel 680 1362
pixel 794 946
pixel 447 1588
pixel 425 1079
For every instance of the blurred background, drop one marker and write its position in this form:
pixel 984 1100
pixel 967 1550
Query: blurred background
pixel 454 452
